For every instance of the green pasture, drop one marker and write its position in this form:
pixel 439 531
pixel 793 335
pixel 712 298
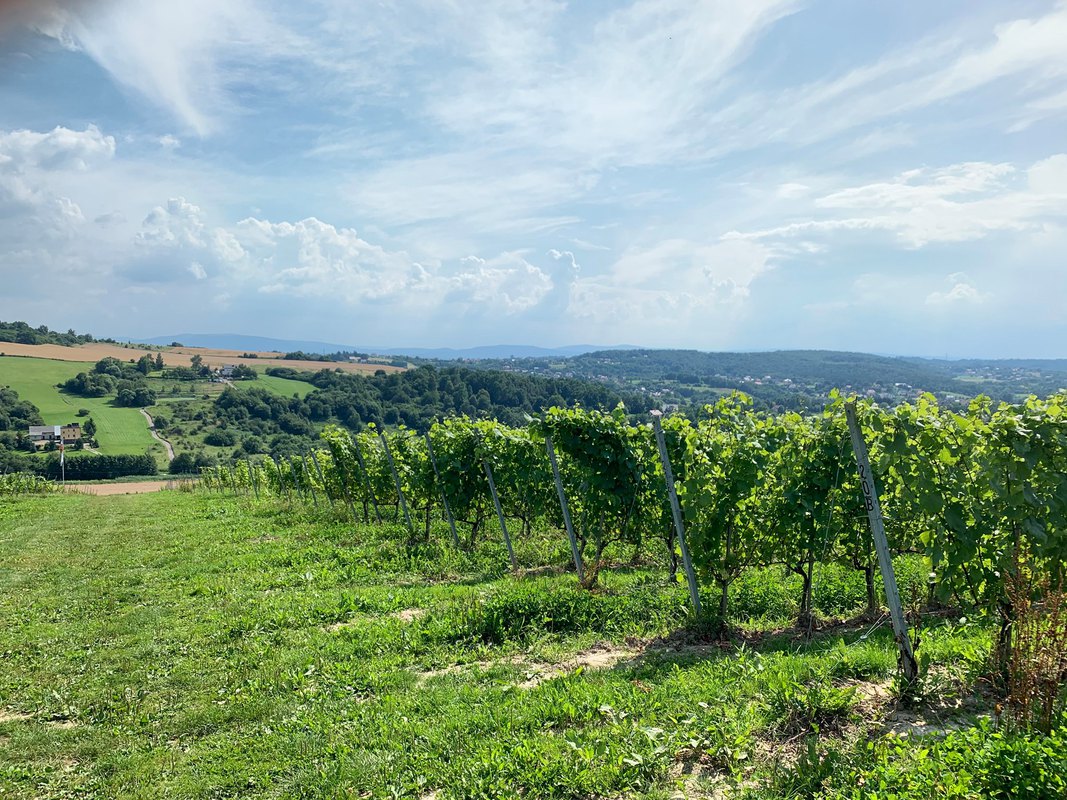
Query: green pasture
pixel 119 430
pixel 282 386
pixel 200 645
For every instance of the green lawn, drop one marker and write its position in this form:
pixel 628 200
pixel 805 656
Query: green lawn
pixel 194 645
pixel 119 430
pixel 282 386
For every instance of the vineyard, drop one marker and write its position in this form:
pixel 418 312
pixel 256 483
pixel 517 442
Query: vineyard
pixel 972 492
pixel 490 611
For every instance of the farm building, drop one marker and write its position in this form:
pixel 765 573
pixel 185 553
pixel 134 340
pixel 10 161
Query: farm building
pixel 43 435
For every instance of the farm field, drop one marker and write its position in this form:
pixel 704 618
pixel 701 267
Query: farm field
pixel 178 357
pixel 119 430
pixel 201 645
pixel 282 386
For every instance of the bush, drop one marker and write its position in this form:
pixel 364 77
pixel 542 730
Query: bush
pixel 220 438
pixel 183 464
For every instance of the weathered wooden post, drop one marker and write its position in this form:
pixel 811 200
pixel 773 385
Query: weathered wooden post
pixel 566 511
pixel 676 512
pixel 881 545
pixel 444 496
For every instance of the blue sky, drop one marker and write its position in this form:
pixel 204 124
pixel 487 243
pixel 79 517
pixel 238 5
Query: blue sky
pixel 886 177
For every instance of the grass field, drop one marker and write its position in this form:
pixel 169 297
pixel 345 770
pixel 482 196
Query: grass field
pixel 119 430
pixel 282 386
pixel 192 645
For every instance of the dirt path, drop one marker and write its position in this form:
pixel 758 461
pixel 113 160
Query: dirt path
pixel 156 436
pixel 140 487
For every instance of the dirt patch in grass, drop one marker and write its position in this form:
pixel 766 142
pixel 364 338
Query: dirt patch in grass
pixel 14 716
pixel 602 655
pixel 109 489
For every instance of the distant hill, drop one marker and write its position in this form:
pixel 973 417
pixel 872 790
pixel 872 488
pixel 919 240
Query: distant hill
pixel 235 341
pixel 798 378
pixel 500 351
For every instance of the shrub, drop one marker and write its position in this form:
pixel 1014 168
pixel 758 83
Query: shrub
pixel 220 438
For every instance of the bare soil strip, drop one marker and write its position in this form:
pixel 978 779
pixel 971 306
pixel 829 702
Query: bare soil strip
pixel 108 489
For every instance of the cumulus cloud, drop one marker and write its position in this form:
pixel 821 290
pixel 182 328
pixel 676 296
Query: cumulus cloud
pixel 58 149
pixel 507 283
pixel 175 240
pixel 30 211
pixel 962 292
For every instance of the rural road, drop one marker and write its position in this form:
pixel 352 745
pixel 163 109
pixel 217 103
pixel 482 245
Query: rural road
pixel 156 436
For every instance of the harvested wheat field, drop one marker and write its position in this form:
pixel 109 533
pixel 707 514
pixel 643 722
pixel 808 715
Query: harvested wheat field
pixel 178 356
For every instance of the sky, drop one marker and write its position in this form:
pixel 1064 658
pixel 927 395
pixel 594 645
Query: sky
pixel 772 174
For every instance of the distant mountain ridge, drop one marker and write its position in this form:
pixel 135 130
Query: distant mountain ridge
pixel 236 341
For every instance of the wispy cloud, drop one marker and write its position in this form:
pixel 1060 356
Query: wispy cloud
pixel 961 202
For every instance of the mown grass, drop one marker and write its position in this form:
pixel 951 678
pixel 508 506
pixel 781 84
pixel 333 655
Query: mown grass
pixel 119 431
pixel 282 386
pixel 188 645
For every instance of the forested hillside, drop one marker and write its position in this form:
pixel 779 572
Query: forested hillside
pixel 254 421
pixel 797 379
pixel 22 333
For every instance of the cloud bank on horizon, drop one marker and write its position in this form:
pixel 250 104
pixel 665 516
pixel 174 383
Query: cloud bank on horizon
pixel 715 175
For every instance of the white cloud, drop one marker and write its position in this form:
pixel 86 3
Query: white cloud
pixel 669 289
pixel 961 293
pixel 180 56
pixel 958 203
pixel 507 283
pixel 59 149
pixel 630 90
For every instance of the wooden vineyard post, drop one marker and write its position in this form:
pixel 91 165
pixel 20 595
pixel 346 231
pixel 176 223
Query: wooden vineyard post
pixel 500 515
pixel 366 481
pixel 396 480
pixel 881 545
pixel 322 477
pixel 444 497
pixel 676 512
pixel 566 511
